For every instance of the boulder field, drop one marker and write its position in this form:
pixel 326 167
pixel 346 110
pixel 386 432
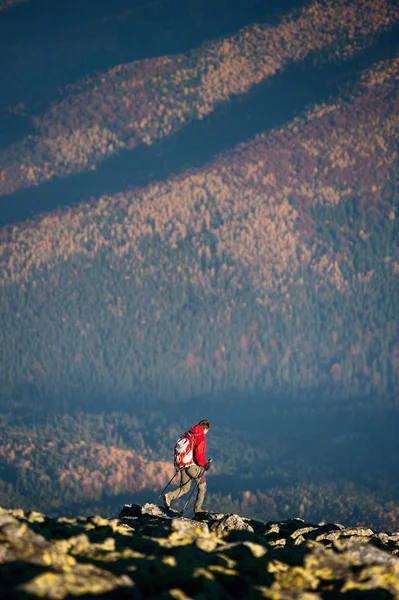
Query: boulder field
pixel 151 552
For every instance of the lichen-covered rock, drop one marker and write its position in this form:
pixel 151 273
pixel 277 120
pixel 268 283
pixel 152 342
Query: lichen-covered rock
pixel 82 580
pixel 131 510
pixel 230 523
pixel 19 543
pixel 152 552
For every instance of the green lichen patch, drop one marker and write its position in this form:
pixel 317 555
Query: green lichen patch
pixel 82 580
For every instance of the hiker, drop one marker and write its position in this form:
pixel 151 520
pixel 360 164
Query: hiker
pixel 191 462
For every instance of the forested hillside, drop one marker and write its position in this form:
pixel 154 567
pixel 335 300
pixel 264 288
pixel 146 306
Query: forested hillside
pixel 263 281
pixel 273 267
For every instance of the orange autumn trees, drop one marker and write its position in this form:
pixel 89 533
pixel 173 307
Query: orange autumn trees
pixel 142 102
pixel 296 217
pixel 90 470
pixel 257 190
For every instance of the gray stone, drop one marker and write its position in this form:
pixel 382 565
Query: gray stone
pixel 230 523
pixel 130 510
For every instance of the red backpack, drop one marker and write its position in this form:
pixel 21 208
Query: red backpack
pixel 184 451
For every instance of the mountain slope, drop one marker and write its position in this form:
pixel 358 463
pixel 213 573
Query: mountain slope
pixel 286 234
pixel 144 101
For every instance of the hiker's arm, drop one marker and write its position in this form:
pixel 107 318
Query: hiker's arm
pixel 199 453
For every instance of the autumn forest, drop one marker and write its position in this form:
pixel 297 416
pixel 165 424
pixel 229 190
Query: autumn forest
pixel 149 279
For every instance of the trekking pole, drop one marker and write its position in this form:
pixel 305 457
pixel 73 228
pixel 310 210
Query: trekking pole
pixel 168 484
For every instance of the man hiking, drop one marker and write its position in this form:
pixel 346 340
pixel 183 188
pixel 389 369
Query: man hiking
pixel 191 462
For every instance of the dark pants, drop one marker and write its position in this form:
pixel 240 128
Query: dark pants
pixel 196 473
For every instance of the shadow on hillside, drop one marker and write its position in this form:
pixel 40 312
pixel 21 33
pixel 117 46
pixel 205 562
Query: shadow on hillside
pixel 269 105
pixel 50 44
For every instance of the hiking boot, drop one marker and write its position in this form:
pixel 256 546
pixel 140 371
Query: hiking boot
pixel 166 502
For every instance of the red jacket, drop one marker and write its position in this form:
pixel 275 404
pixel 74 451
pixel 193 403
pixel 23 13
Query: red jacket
pixel 199 445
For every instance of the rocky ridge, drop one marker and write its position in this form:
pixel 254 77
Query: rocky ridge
pixel 151 552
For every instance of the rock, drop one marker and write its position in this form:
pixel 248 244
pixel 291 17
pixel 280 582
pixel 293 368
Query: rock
pixel 83 580
pixel 272 528
pixel 149 510
pixel 150 552
pixel 153 510
pixel 35 517
pixel 183 525
pixel 130 510
pixel 6 518
pixel 302 531
pixel 206 544
pixel 335 532
pixel 363 553
pixel 230 523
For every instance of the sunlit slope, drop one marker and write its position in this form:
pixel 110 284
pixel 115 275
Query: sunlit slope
pixel 142 102
pixel 60 464
pixel 251 207
pixel 58 472
pixel 275 266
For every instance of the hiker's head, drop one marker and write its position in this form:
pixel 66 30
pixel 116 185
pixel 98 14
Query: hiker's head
pixel 205 425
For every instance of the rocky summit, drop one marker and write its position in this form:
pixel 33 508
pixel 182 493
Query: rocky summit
pixel 151 552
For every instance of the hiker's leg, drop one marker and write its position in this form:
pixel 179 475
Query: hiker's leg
pixel 185 482
pixel 201 485
pixel 198 474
